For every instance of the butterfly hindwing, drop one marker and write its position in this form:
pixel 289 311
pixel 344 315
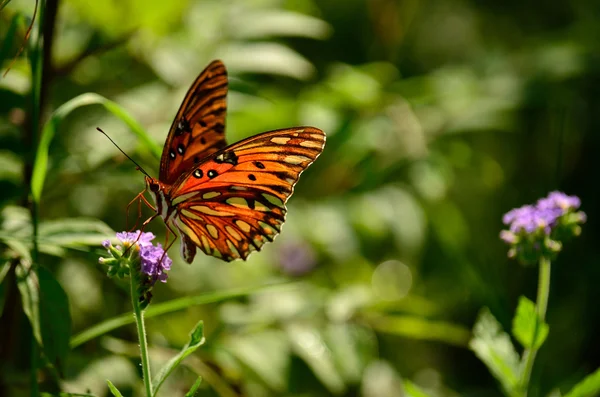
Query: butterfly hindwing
pixel 234 201
pixel 198 130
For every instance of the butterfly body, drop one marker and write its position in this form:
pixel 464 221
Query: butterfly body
pixel 226 200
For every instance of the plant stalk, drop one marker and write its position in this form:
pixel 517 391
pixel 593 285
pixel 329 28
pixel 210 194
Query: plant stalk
pixel 141 329
pixel 543 293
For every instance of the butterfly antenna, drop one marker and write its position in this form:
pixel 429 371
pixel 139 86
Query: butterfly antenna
pixel 139 167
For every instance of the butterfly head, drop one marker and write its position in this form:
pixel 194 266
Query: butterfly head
pixel 153 185
pixel 157 192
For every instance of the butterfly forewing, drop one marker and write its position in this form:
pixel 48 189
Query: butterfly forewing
pixel 199 127
pixel 234 200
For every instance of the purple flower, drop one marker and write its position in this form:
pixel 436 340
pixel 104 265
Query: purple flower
pixel 144 239
pixel 539 229
pixel 154 261
pixel 542 216
pixel 559 200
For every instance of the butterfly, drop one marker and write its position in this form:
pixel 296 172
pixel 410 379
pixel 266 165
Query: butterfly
pixel 227 200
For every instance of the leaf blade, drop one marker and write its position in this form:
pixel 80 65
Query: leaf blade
pixel 494 348
pixel 40 166
pixel 528 328
pixel 196 340
pixel 588 387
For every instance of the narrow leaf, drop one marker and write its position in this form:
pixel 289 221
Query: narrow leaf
pixel 588 387
pixel 528 328
pixel 265 354
pixel 55 318
pixel 309 345
pixel 41 160
pixel 27 283
pixel 113 389
pixel 493 346
pixel 10 36
pixel 194 388
pixel 413 390
pixel 158 309
pixel 4 3
pixel 196 340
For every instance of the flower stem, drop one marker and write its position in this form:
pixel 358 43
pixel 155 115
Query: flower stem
pixel 139 321
pixel 541 305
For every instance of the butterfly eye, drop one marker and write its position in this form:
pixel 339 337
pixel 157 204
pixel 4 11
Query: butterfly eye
pixel 154 187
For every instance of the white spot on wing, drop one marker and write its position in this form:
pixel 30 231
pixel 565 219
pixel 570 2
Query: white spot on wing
pixel 280 140
pixel 312 144
pixel 295 159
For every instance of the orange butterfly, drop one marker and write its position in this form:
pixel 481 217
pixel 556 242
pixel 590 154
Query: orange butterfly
pixel 226 200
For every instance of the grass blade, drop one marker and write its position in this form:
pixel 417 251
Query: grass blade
pixel 158 309
pixel 40 167
pixel 196 340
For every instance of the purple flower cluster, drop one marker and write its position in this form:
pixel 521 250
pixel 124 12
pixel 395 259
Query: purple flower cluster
pixel 153 259
pixel 540 228
pixel 541 216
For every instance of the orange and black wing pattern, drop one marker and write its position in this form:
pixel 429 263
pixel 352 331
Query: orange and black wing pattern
pixel 233 202
pixel 199 127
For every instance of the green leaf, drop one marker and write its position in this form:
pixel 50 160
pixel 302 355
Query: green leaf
pixel 196 340
pixel 10 35
pixel 588 387
pixel 55 318
pixel 493 346
pixel 53 236
pixel 4 3
pixel 70 232
pixel 420 328
pixel 4 269
pixel 352 348
pixel 309 345
pixel 274 59
pixel 528 328
pixel 272 23
pixel 194 388
pixel 266 354
pixel 27 283
pixel 40 167
pixel 158 309
pixel 413 390
pixel 113 389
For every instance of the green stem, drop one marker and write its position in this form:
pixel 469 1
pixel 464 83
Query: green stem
pixel 36 62
pixel 541 306
pixel 139 321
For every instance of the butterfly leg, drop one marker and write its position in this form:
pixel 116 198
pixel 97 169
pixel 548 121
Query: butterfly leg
pixel 167 244
pixel 146 222
pixel 139 198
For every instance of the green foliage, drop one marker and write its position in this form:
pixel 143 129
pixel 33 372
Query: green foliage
pixel 493 346
pixel 439 117
pixel 115 392
pixel 589 386
pixel 47 308
pixel 528 328
pixel 41 161
pixel 196 340
pixel 194 388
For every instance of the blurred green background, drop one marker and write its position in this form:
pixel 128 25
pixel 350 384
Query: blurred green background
pixel 440 117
